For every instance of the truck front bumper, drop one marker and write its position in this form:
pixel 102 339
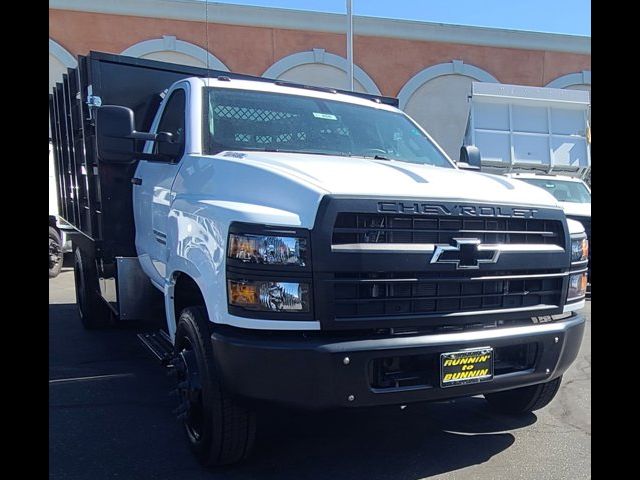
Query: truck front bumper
pixel 313 373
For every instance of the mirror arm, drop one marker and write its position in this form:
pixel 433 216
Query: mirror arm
pixel 142 136
pixel 466 166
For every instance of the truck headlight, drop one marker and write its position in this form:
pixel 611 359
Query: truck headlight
pixel 577 285
pixel 269 296
pixel 268 249
pixel 579 249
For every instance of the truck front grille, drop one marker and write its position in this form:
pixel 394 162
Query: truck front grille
pixel 377 268
pixel 360 295
pixel 353 228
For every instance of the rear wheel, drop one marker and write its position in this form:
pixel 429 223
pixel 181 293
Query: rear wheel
pixel 525 399
pixel 91 309
pixel 218 429
pixel 55 253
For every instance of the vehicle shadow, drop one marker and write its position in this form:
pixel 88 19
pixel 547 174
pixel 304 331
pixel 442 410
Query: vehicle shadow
pixel 420 441
pixel 95 416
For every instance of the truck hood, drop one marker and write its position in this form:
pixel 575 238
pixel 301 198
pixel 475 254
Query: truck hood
pixel 368 177
pixel 579 209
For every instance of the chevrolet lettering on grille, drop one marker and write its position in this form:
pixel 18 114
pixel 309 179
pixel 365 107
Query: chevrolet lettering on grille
pixel 465 253
pixel 456 210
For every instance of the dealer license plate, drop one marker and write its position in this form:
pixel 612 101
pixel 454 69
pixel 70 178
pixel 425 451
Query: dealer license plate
pixel 463 367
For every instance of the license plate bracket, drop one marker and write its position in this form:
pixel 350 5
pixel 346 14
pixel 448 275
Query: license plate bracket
pixel 464 367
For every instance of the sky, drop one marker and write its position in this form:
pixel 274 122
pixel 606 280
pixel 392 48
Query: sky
pixel 556 16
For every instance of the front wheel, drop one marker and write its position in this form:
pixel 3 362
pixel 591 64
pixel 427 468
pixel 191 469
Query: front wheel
pixel 525 399
pixel 218 429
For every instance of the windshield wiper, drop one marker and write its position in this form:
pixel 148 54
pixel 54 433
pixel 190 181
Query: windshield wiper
pixel 281 150
pixel 378 157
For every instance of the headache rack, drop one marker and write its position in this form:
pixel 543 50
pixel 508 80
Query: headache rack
pixel 96 198
pixel 521 128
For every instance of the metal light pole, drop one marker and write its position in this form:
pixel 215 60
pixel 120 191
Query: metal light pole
pixel 350 44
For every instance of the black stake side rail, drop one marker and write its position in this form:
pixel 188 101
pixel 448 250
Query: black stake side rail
pixel 95 198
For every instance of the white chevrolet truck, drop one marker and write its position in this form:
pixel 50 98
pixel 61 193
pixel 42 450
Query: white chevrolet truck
pixel 307 247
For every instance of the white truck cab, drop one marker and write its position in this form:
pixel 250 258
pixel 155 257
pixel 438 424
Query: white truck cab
pixel 572 194
pixel 313 248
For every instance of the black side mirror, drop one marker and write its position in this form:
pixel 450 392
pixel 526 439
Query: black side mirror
pixel 469 158
pixel 116 135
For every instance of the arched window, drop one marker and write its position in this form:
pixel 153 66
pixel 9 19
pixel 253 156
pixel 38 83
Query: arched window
pixel 170 49
pixel 59 60
pixel 436 98
pixel 320 68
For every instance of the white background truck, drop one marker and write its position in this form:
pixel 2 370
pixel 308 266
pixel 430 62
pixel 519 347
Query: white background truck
pixel 573 195
pixel 536 134
pixel 538 129
pixel 59 243
pixel 307 247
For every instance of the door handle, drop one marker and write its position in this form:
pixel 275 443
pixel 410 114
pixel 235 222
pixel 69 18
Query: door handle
pixel 136 181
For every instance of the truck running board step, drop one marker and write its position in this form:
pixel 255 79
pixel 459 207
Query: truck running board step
pixel 159 344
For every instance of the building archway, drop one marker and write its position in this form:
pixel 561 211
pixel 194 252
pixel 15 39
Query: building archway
pixel 436 98
pixel 572 80
pixel 321 68
pixel 170 49
pixel 59 60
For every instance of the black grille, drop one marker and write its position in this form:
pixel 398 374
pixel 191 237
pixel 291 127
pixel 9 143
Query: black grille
pixel 390 228
pixel 360 295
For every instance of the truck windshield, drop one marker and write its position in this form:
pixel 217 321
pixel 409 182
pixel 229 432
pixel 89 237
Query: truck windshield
pixel 265 121
pixel 574 192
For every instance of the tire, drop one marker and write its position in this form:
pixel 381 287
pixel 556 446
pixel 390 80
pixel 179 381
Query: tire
pixel 91 309
pixel 55 253
pixel 219 430
pixel 525 399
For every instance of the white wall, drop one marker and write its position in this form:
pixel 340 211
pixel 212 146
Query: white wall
pixel 175 57
pixel 56 69
pixel 440 106
pixel 320 75
pixel 579 87
pixel 586 88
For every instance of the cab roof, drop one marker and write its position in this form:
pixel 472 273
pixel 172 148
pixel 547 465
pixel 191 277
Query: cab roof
pixel 563 178
pixel 289 88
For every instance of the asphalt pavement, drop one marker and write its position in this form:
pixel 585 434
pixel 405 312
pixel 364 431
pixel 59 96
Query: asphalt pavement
pixel 110 418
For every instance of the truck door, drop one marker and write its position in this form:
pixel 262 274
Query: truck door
pixel 152 195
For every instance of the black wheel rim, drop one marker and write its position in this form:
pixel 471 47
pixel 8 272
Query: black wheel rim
pixel 190 392
pixel 55 254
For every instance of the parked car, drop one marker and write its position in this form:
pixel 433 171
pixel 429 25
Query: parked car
pixel 573 194
pixel 59 243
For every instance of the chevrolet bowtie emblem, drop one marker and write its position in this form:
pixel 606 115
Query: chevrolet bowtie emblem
pixel 465 253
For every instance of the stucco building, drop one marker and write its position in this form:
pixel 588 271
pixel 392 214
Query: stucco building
pixel 428 66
